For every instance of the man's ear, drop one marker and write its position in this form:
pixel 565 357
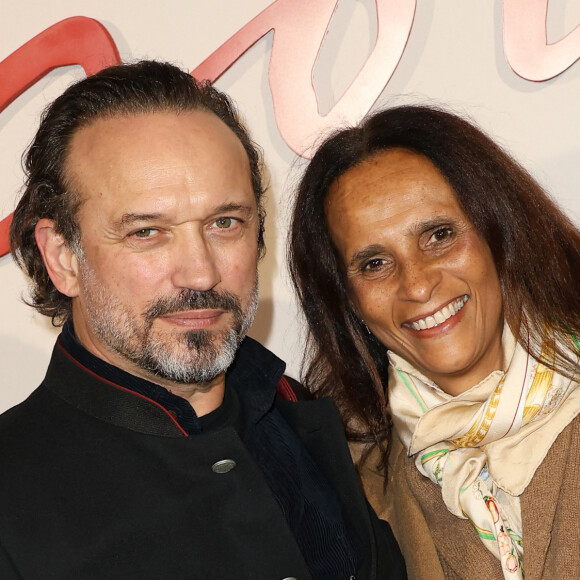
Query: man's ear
pixel 60 261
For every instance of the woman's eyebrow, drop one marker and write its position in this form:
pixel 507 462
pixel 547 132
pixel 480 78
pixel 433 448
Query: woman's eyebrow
pixel 430 224
pixel 366 253
pixel 416 229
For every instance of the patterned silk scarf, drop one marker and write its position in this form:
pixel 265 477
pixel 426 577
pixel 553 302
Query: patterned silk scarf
pixel 483 447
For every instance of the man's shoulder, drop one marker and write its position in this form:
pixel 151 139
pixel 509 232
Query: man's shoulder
pixel 25 413
pixel 22 432
pixel 289 389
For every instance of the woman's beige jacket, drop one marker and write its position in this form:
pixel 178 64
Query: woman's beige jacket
pixel 439 546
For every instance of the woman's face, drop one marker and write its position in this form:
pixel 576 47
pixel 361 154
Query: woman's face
pixel 419 274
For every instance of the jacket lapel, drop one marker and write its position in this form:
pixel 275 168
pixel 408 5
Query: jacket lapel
pixel 318 425
pixel 458 546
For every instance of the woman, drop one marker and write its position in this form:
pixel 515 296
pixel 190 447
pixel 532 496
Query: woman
pixel 441 289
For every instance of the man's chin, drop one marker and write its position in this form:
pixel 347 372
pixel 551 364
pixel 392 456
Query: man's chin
pixel 197 356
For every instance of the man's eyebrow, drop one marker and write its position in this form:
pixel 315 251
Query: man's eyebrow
pixel 226 207
pixel 131 218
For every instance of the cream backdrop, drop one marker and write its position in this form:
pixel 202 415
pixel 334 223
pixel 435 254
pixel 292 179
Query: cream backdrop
pixel 454 56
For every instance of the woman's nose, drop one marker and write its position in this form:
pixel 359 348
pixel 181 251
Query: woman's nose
pixel 417 280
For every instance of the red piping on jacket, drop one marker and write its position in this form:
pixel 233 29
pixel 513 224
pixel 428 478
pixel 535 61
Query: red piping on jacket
pixel 173 419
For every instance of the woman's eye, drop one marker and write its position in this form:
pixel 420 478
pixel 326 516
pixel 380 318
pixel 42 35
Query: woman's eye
pixel 373 264
pixel 441 234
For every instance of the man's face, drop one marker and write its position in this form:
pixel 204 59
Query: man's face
pixel 167 275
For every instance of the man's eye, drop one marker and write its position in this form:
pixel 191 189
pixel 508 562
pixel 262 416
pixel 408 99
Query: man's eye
pixel 225 222
pixel 144 233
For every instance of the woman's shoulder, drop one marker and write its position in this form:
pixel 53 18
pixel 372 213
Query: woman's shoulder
pixel 551 511
pixel 396 504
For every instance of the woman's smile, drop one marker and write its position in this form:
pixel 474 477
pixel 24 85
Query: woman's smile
pixel 439 317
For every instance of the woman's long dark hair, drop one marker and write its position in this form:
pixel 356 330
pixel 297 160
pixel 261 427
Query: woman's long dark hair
pixel 535 247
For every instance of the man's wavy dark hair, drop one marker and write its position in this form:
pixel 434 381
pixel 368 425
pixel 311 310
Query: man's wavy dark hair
pixel 128 89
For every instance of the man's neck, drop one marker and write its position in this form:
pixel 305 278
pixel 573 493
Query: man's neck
pixel 203 398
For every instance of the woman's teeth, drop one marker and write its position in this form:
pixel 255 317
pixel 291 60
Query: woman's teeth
pixel 441 315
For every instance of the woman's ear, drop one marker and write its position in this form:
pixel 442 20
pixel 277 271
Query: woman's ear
pixel 356 311
pixel 60 261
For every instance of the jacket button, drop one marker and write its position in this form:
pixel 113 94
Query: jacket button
pixel 223 466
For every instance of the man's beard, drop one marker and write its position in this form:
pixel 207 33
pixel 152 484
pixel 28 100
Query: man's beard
pixel 190 357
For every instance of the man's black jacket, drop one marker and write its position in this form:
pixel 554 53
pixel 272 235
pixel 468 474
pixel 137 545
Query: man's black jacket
pixel 97 482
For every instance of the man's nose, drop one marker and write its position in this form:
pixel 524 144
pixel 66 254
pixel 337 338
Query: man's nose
pixel 417 280
pixel 194 263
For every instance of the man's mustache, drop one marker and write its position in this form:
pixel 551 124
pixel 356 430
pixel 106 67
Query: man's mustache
pixel 193 300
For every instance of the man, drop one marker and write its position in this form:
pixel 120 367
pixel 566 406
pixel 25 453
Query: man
pixel 156 446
